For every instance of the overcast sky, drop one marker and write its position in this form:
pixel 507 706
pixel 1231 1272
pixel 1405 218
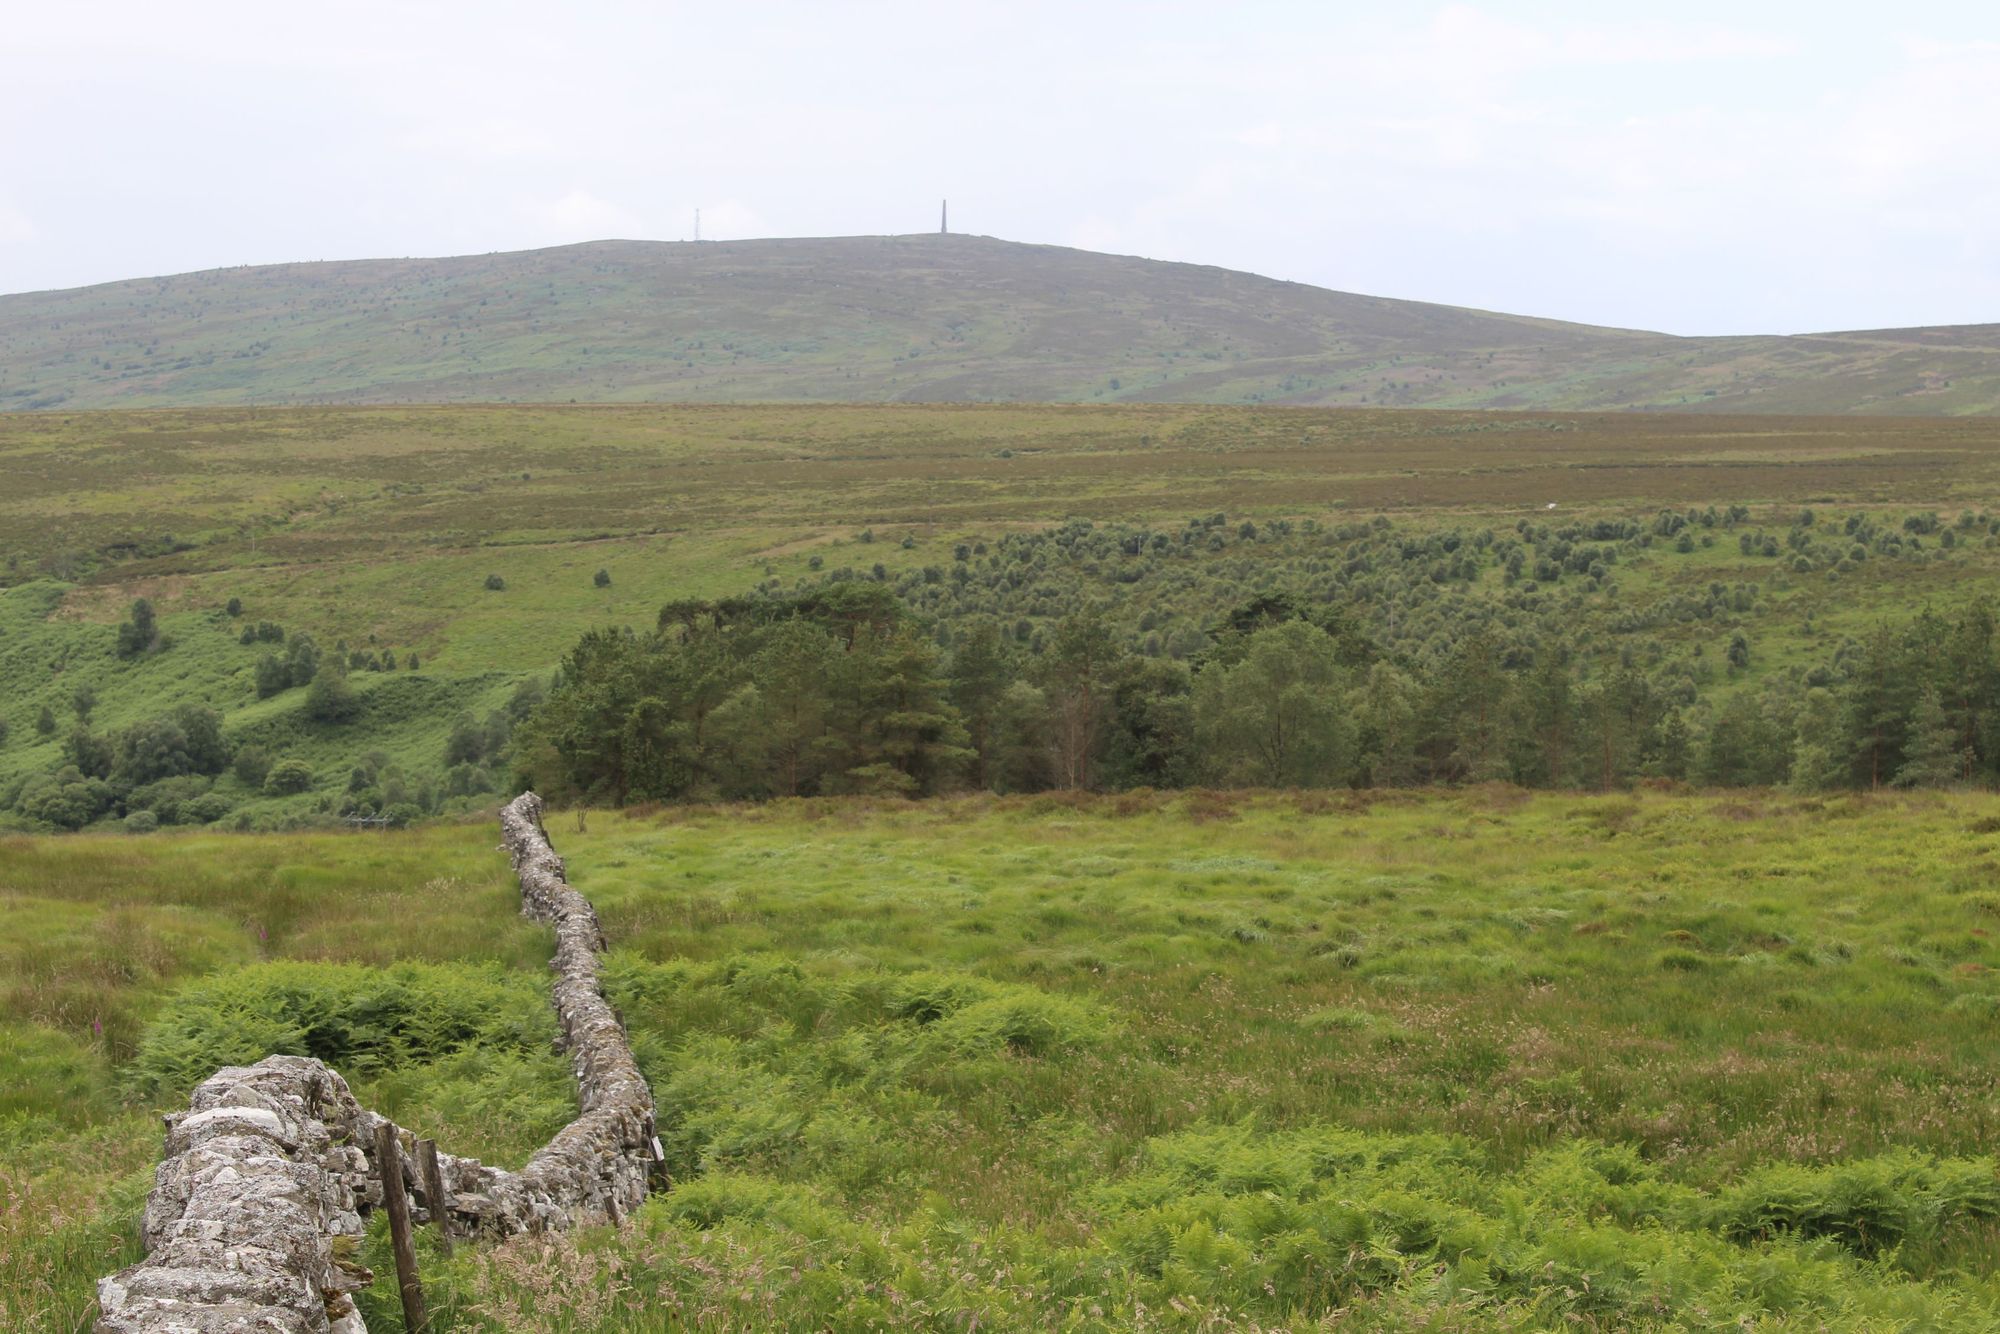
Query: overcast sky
pixel 1720 168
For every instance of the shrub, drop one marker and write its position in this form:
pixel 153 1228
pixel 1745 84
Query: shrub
pixel 67 799
pixel 925 998
pixel 1868 1205
pixel 139 633
pixel 141 822
pixel 288 777
pixel 361 1020
pixel 91 754
pixel 527 697
pixel 467 780
pixel 330 699
pixel 495 584
pixel 253 766
pixel 233 608
pixel 466 743
pixel 271 676
pixel 186 741
pixel 168 798
pixel 602 579
pixel 301 660
pixel 1024 1021
pixel 205 809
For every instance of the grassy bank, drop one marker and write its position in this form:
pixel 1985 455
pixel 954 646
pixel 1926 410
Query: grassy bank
pixel 1478 1060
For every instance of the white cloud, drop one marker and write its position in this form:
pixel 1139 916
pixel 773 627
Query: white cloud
pixel 482 141
pixel 580 215
pixel 16 227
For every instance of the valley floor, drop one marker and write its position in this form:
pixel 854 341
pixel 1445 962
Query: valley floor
pixel 1475 1059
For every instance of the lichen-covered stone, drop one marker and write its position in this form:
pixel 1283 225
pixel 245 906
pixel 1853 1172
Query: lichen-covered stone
pixel 257 1209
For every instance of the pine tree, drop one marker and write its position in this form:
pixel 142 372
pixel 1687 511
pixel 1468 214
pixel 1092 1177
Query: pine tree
pixel 980 676
pixel 902 734
pixel 1817 762
pixel 1385 708
pixel 1875 709
pixel 1671 747
pixel 140 633
pixel 1550 707
pixel 1971 693
pixel 1279 717
pixel 1470 695
pixel 1932 755
pixel 1078 675
pixel 790 706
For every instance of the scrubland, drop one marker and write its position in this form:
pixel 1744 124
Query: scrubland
pixel 1477 1059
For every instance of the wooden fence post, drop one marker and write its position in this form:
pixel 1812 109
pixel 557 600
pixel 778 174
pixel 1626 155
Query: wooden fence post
pixel 433 1179
pixel 396 1203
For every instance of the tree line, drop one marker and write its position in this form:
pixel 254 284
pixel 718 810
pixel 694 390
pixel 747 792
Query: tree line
pixel 841 689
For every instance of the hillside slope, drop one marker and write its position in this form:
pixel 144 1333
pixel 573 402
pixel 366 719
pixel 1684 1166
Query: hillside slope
pixel 917 318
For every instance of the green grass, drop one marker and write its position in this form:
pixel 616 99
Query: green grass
pixel 380 526
pixel 1464 1061
pixel 904 318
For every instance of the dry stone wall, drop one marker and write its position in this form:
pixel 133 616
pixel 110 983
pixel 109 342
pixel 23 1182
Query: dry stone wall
pixel 258 1207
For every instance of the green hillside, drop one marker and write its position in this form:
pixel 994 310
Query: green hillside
pixel 915 318
pixel 382 532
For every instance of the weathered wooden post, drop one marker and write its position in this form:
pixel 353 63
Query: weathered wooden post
pixel 433 1179
pixel 396 1202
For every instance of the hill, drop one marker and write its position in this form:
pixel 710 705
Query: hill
pixel 905 318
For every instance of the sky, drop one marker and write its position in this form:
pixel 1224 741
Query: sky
pixel 1695 168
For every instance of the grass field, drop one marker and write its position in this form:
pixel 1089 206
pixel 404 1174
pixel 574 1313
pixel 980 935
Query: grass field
pixel 1453 1061
pixel 903 318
